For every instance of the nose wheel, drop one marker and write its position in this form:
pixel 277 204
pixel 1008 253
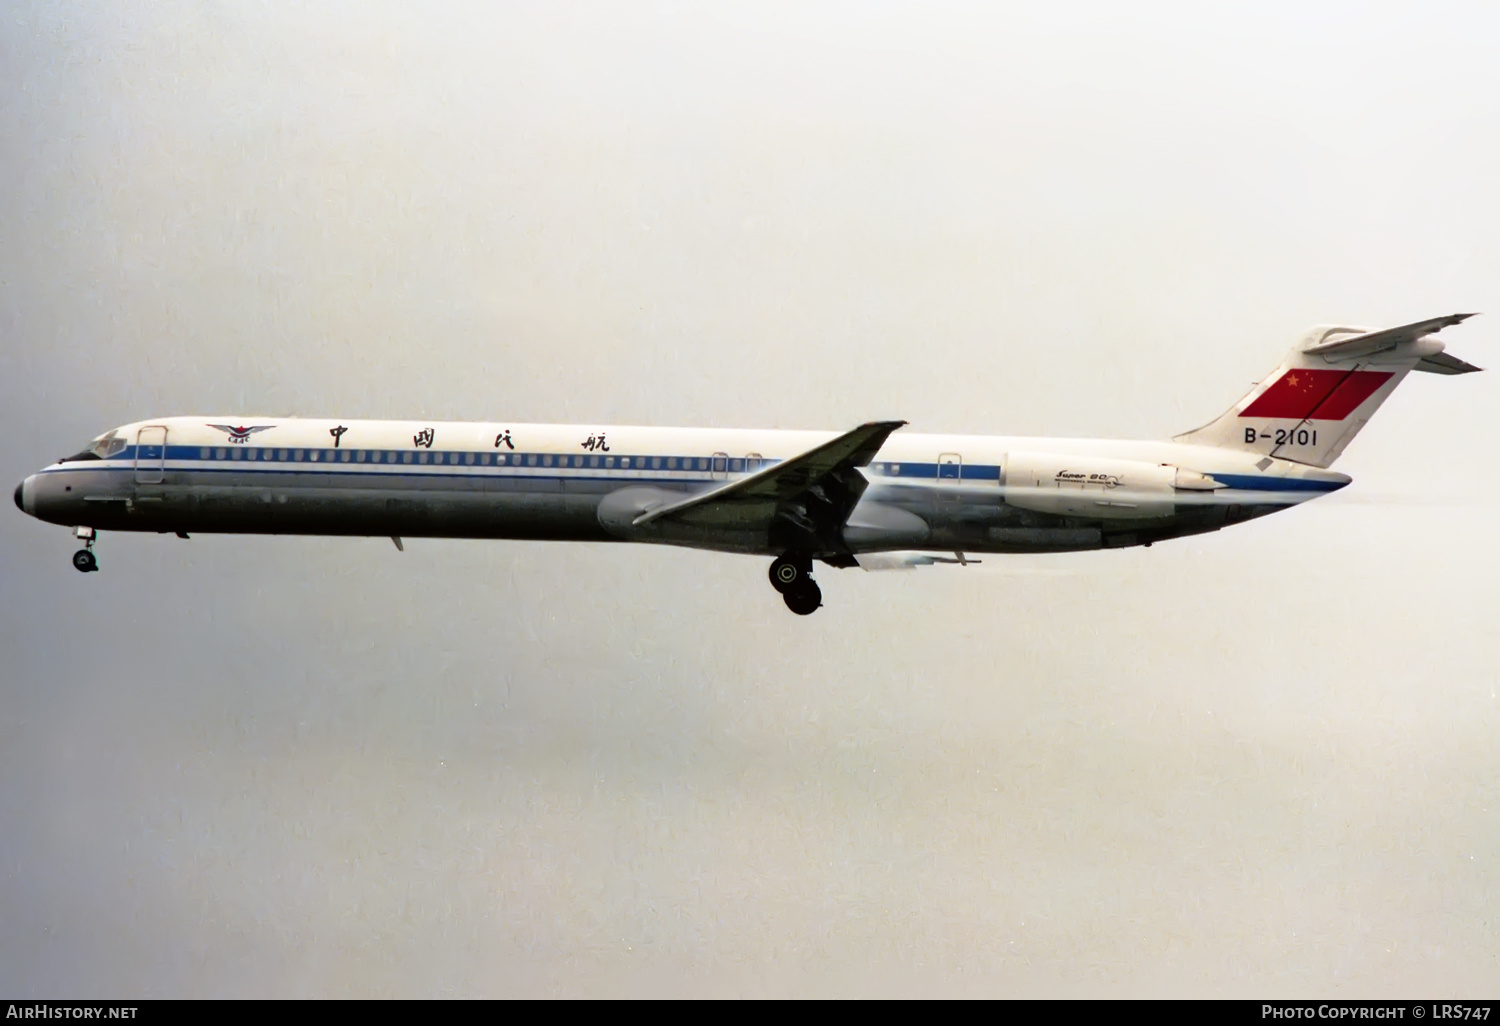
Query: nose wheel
pixel 83 559
pixel 792 576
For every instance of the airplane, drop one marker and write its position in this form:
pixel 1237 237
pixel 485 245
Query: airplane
pixel 869 497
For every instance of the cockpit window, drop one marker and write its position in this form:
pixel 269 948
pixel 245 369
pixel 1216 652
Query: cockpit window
pixel 106 446
pixel 100 448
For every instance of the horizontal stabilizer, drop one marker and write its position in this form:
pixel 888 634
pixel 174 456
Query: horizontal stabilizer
pixel 1442 363
pixel 1370 342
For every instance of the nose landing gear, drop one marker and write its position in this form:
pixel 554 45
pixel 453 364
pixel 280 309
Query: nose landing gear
pixel 792 576
pixel 83 559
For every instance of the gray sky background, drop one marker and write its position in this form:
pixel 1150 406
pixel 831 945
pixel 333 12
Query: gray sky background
pixel 1255 763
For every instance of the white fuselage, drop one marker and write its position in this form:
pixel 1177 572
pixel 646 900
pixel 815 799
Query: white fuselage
pixel 498 480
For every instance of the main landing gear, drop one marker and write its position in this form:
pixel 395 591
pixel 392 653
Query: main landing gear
pixel 792 576
pixel 83 559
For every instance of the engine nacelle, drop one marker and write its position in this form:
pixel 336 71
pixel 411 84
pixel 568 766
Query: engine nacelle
pixel 1087 486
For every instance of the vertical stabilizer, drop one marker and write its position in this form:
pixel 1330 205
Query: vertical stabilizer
pixel 1329 386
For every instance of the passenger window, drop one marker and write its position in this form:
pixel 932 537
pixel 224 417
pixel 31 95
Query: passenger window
pixel 297 455
pixel 594 461
pixel 895 468
pixel 469 459
pixel 484 458
pixel 736 465
pixel 238 454
pixel 531 460
pixel 671 462
pixel 703 464
pixel 203 453
pixel 406 457
pixel 313 455
pixel 547 460
pixel 624 461
pixel 359 456
pixel 282 455
pixel 500 458
pixel 345 457
pixel 422 457
pixel 577 461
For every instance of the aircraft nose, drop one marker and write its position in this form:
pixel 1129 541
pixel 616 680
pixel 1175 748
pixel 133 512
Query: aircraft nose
pixel 26 496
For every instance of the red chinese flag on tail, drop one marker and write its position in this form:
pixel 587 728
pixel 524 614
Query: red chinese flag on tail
pixel 1303 394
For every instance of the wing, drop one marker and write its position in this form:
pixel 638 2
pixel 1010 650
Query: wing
pixel 876 561
pixel 810 495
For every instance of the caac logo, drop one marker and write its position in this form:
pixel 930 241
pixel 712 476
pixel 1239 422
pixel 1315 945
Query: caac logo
pixel 239 435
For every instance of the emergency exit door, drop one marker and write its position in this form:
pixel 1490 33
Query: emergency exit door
pixel 950 470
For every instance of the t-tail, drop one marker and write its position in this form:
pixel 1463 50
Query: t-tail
pixel 1328 387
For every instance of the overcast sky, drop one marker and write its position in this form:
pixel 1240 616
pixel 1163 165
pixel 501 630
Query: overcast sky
pixel 1260 762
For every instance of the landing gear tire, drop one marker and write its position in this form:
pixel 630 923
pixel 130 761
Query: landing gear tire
pixel 84 561
pixel 805 598
pixel 786 574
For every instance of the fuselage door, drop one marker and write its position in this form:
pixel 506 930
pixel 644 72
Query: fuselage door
pixel 720 465
pixel 150 455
